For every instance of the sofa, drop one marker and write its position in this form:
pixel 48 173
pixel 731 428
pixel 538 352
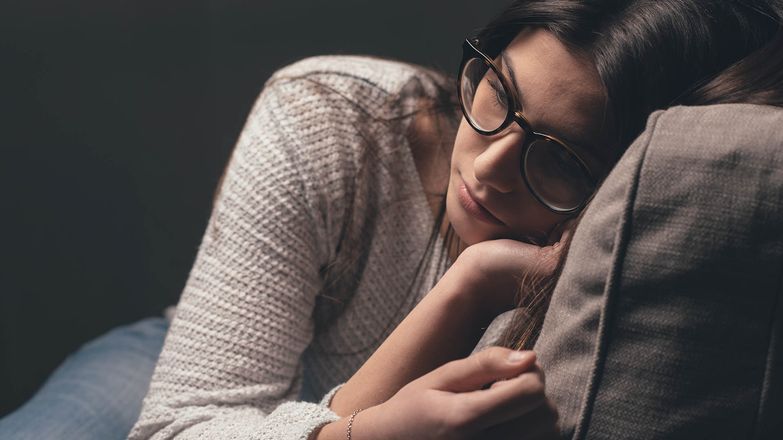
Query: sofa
pixel 666 321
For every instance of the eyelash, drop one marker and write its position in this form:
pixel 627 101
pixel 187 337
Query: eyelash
pixel 500 96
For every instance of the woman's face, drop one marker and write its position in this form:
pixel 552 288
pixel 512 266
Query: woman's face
pixel 561 95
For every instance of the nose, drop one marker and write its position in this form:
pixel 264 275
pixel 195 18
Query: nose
pixel 498 166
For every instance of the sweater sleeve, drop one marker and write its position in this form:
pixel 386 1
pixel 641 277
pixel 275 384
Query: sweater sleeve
pixel 231 363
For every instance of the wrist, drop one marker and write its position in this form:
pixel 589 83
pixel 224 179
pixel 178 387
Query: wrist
pixel 366 425
pixel 370 424
pixel 464 290
pixel 490 273
pixel 331 431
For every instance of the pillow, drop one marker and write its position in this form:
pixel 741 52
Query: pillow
pixel 666 321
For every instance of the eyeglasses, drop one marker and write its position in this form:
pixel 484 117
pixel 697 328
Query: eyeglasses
pixel 553 172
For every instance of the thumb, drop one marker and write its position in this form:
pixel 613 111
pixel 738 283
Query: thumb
pixel 475 371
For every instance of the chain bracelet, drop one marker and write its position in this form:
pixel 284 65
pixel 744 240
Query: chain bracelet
pixel 350 424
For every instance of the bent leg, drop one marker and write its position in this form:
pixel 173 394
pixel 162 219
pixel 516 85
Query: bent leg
pixel 97 392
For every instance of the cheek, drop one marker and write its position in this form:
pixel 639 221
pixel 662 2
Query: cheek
pixel 463 153
pixel 467 145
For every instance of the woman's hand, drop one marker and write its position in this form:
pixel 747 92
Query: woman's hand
pixel 493 272
pixel 451 402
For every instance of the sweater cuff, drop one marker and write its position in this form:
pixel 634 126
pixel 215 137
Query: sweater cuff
pixel 327 399
pixel 297 420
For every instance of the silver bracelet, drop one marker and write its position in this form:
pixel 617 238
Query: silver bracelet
pixel 350 424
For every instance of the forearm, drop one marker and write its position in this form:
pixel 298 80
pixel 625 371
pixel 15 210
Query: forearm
pixel 444 326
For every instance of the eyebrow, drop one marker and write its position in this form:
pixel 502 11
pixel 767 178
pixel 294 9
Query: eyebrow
pixel 512 74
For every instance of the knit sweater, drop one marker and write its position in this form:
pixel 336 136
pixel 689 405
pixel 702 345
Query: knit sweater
pixel 321 217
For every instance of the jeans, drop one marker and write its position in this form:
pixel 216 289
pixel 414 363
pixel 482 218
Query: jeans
pixel 97 392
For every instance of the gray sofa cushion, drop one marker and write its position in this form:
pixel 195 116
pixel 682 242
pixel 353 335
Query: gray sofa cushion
pixel 666 322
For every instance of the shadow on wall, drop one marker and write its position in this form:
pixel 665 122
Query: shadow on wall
pixel 117 120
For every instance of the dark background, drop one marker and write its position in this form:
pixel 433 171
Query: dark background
pixel 116 119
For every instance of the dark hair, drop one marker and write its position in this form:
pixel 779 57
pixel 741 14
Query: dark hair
pixel 650 55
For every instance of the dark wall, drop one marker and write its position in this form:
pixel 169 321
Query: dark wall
pixel 116 120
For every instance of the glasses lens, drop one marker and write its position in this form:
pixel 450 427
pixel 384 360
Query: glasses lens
pixel 556 176
pixel 484 99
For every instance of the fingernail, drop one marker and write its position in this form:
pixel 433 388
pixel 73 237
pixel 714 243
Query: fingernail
pixel 517 357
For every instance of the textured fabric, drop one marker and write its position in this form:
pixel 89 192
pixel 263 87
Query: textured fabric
pixel 96 393
pixel 567 343
pixel 321 214
pixel 666 321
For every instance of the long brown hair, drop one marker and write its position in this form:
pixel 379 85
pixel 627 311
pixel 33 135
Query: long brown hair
pixel 652 54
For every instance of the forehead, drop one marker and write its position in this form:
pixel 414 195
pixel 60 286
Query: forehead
pixel 560 92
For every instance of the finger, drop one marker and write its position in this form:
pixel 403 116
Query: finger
pixel 536 368
pixel 515 398
pixel 475 371
pixel 499 383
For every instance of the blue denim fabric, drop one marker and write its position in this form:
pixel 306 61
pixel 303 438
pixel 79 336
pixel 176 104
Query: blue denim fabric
pixel 97 392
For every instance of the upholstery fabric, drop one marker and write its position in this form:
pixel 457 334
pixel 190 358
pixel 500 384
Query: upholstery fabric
pixel 665 323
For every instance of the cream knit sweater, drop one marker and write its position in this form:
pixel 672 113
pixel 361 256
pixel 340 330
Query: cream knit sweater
pixel 321 204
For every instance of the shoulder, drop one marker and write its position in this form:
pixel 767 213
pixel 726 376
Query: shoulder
pixel 386 75
pixel 344 107
pixel 375 87
pixel 334 124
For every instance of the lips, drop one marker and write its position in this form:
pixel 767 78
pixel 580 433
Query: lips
pixel 473 207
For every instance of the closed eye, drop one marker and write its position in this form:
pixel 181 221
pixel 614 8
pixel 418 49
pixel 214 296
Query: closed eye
pixel 501 99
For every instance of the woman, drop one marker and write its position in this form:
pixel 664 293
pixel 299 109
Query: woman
pixel 331 229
